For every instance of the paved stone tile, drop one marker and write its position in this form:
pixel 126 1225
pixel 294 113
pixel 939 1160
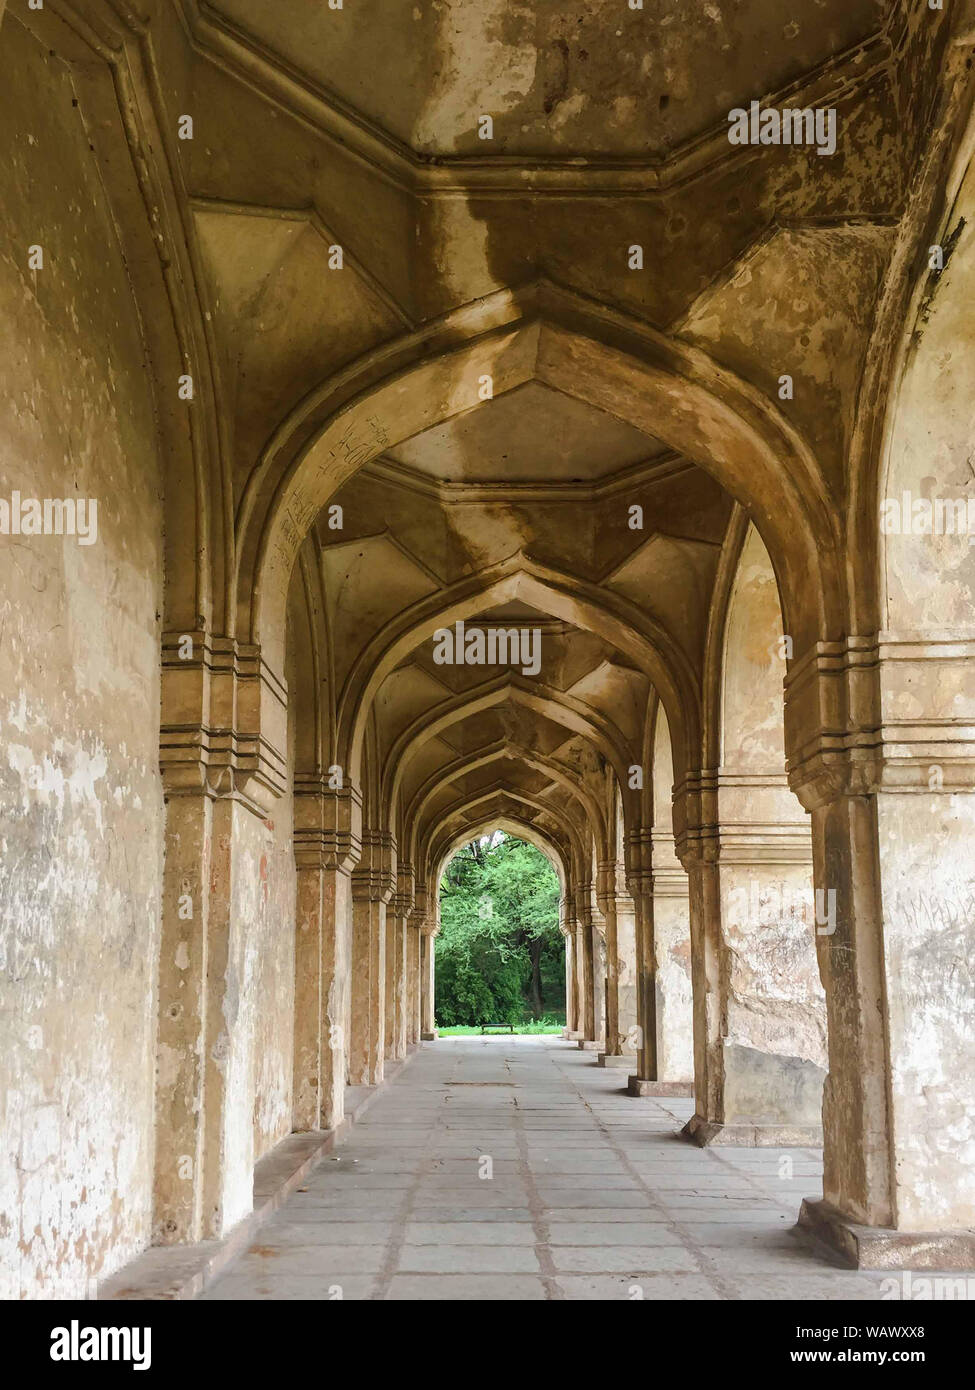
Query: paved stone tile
pixel 589 1215
pixel 593 1196
pixel 290 1286
pixel 479 1288
pixel 467 1259
pixel 622 1259
pixel 732 1234
pixel 607 1182
pixel 318 1259
pixel 608 1233
pixel 433 1215
pixel 766 1259
pixel 296 1229
pixel 471 1233
pixel 618 1287
pixel 839 1285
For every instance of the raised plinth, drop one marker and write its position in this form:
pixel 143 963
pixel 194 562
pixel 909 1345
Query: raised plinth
pixel 430 1037
pixel 705 1133
pixel 881 1247
pixel 642 1086
pixel 587 1045
pixel 608 1059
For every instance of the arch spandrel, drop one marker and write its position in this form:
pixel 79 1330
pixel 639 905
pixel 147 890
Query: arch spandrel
pixel 551 704
pixel 414 813
pixel 511 825
pixel 644 378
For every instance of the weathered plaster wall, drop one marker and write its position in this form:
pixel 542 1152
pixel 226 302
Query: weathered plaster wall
pixel 928 916
pixel 80 801
pixel 774 1026
pixel 671 923
pixel 255 1047
pixel 929 578
pixel 275 983
pixel 752 720
pixel 926 859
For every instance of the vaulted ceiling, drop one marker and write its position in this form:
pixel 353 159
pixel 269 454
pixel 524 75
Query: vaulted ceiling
pixel 360 129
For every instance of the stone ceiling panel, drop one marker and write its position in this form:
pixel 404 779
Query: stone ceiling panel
pixel 531 434
pixel 593 79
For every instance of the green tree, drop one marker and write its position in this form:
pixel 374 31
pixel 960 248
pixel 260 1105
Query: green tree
pixel 499 952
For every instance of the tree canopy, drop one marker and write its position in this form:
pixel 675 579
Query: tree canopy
pixel 500 955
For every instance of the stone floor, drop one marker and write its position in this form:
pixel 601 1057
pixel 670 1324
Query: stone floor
pixel 515 1168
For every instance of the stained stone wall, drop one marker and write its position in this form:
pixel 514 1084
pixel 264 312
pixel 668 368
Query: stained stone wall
pixel 657 467
pixel 80 795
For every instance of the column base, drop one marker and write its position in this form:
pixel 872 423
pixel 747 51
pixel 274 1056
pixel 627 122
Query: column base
pixel 430 1037
pixel 573 1037
pixel 705 1133
pixel 881 1247
pixel 642 1086
pixel 585 1045
pixel 609 1059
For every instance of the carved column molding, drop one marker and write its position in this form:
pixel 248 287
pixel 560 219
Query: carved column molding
pixel 373 884
pixel 328 844
pixel 223 762
pixel 398 913
pixel 881 751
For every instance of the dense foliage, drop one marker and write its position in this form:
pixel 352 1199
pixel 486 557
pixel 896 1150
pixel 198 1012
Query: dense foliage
pixel 500 956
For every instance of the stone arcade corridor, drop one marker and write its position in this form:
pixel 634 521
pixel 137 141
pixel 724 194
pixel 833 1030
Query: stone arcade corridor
pixel 586 1199
pixel 425 417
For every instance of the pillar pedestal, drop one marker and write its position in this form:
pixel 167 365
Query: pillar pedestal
pixel 881 1247
pixel 640 1086
pixel 618 1061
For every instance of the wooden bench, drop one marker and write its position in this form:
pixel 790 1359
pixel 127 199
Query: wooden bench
pixel 485 1026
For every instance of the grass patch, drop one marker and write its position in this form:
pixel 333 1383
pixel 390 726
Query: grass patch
pixel 462 1031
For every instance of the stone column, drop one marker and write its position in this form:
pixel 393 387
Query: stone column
pixel 619 915
pixel 584 965
pixel 397 916
pixel 759 1012
pixel 372 887
pixel 570 1005
pixel 575 985
pixel 599 985
pixel 639 881
pixel 413 980
pixel 606 900
pixel 428 1029
pixel 893 819
pixel 192 914
pixel 327 847
pixel 674 996
pixel 219 791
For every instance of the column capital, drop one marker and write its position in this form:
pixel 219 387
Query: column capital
pixel 374 878
pixel 403 901
pixel 585 916
pixel 733 816
pixel 327 823
pixel 867 714
pixel 223 727
pixel 611 885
